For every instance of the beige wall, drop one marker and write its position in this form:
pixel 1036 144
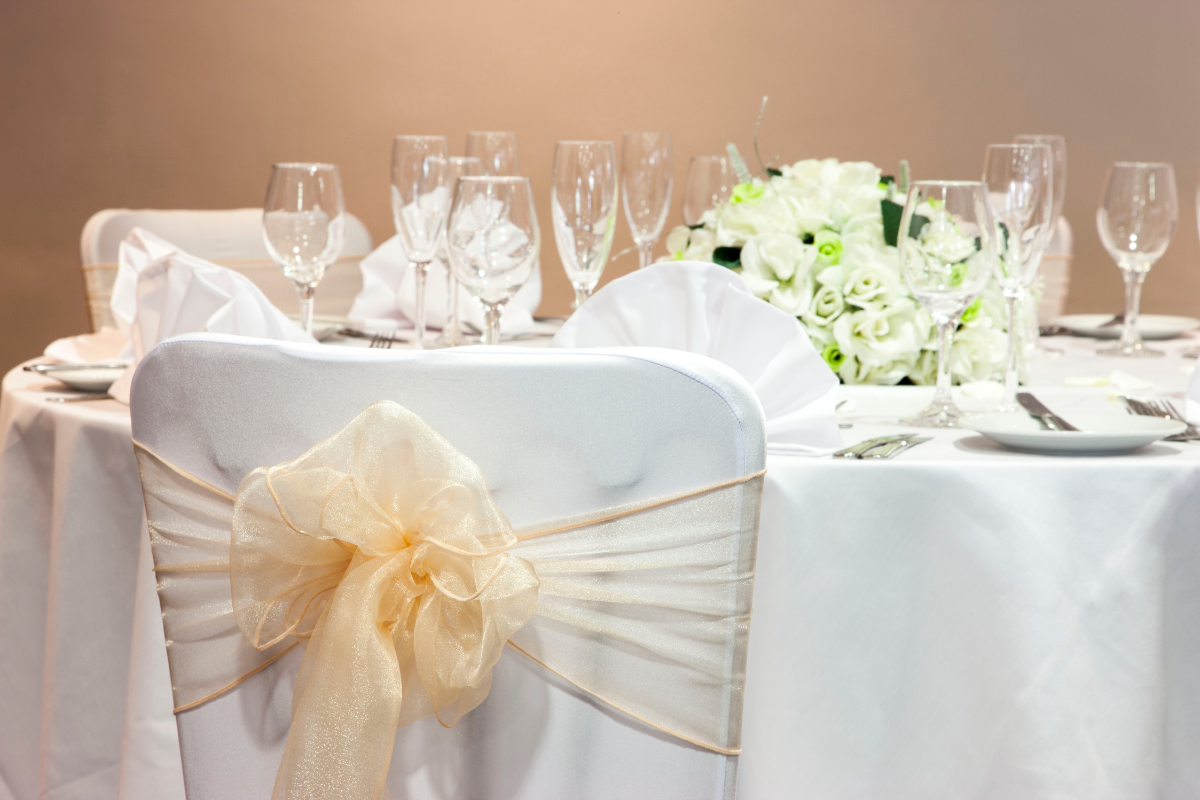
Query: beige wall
pixel 173 104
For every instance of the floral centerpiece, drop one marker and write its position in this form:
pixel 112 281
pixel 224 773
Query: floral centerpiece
pixel 818 240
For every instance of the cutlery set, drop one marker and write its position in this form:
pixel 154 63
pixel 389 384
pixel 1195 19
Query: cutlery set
pixel 1163 409
pixel 882 447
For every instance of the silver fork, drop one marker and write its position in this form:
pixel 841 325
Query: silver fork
pixel 383 341
pixel 1145 409
pixel 1167 408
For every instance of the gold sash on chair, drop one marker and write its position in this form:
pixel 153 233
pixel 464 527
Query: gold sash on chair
pixel 382 550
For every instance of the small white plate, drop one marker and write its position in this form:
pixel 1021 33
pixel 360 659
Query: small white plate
pixel 1150 326
pixel 1098 433
pixel 85 380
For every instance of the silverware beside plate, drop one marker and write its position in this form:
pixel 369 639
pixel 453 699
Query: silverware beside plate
pixel 1049 420
pixel 882 446
pixel 1162 409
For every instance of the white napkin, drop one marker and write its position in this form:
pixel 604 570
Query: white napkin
pixel 88 348
pixel 388 296
pixel 162 292
pixel 703 308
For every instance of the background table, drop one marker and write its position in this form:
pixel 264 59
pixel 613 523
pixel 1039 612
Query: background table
pixel 961 622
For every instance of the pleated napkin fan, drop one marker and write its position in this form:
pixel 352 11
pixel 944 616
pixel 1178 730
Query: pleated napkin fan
pixel 707 309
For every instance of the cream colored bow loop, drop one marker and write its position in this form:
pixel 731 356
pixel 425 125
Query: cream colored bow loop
pixel 382 546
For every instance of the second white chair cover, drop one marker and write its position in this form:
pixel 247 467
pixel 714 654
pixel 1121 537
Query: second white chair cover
pixel 703 308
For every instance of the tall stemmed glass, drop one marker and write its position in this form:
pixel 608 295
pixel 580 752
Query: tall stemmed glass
pixel 493 240
pixel 947 257
pixel 496 150
pixel 647 171
pixel 1020 192
pixel 583 208
pixel 710 182
pixel 1136 219
pixel 304 226
pixel 452 335
pixel 1058 158
pixel 420 203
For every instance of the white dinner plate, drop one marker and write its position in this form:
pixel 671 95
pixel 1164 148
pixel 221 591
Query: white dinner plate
pixel 1151 326
pixel 1097 434
pixel 82 380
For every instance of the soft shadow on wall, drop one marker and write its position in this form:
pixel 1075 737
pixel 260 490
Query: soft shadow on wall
pixel 136 103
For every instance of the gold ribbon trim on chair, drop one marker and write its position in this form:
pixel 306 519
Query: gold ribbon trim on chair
pixel 382 549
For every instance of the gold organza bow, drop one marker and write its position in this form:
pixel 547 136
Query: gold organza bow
pixel 382 548
pixel 388 537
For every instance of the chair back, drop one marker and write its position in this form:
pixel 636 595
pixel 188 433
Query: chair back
pixel 232 238
pixel 556 433
pixel 1055 273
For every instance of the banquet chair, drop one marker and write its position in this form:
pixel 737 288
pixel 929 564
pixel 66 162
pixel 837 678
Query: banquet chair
pixel 1055 273
pixel 232 238
pixel 556 433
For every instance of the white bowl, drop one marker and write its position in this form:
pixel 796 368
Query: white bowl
pixel 1098 433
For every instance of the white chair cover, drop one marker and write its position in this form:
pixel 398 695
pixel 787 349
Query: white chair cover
pixel 703 308
pixel 550 446
pixel 232 237
pixel 1055 273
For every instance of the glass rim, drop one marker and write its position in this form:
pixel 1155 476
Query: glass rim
pixel 311 166
pixel 491 133
pixel 1041 135
pixel 1143 164
pixel 1015 145
pixel 494 178
pixel 585 141
pixel 946 183
pixel 638 133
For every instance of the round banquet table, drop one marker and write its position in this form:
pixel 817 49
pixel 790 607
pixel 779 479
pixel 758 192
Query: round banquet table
pixel 959 622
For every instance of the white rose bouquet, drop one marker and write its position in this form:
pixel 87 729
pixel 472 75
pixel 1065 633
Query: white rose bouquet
pixel 818 240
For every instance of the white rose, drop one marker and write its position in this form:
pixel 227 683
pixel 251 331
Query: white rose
pixel 793 297
pixel 740 222
pixel 677 241
pixel 979 352
pixel 778 256
pixel 883 342
pixel 869 286
pixel 826 306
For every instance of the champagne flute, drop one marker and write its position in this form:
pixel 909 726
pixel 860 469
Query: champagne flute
pixel 420 203
pixel 452 335
pixel 710 182
pixel 583 208
pixel 493 240
pixel 304 226
pixel 496 150
pixel 1138 211
pixel 647 171
pixel 1058 158
pixel 1020 192
pixel 946 257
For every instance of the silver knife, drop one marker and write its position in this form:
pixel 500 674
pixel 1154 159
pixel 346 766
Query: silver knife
pixel 1119 319
pixel 862 447
pixel 1050 421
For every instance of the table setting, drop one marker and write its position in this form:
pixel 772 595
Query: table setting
pixel 975 543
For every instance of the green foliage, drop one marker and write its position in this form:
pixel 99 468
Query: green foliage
pixel 730 257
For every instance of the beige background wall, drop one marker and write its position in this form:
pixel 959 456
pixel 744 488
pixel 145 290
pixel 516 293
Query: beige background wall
pixel 170 104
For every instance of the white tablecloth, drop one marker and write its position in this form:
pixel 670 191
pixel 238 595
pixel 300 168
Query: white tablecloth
pixel 961 622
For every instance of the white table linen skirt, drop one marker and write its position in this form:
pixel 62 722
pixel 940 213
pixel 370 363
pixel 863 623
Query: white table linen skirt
pixel 961 622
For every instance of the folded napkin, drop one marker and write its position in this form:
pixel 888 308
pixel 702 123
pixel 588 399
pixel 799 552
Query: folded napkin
pixel 88 348
pixel 388 296
pixel 703 308
pixel 162 292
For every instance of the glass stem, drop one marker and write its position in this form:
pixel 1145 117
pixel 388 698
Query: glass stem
pixel 306 292
pixel 1009 402
pixel 945 333
pixel 1130 339
pixel 582 293
pixel 492 314
pixel 645 255
pixel 451 326
pixel 422 270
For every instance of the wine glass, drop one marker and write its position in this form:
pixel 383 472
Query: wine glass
pixel 420 203
pixel 1136 219
pixel 1020 192
pixel 946 257
pixel 452 335
pixel 646 175
pixel 493 240
pixel 583 208
pixel 710 182
pixel 304 226
pixel 497 150
pixel 1058 157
